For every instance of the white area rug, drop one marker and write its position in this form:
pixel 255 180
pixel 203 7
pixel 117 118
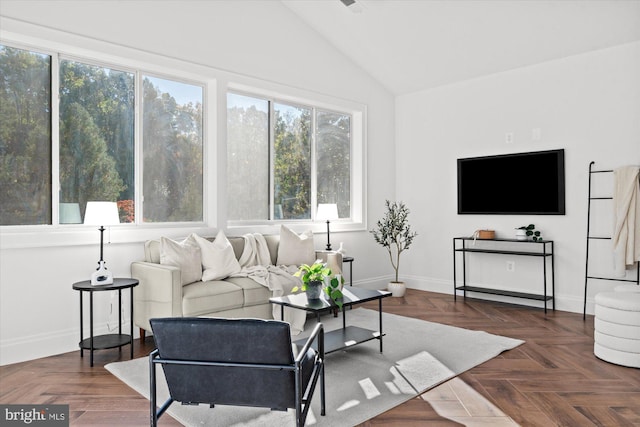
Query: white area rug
pixel 360 382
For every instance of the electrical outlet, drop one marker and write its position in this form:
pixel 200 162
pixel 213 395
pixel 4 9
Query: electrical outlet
pixel 508 137
pixel 511 266
pixel 536 134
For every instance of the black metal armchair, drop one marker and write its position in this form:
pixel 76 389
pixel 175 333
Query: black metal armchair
pixel 236 362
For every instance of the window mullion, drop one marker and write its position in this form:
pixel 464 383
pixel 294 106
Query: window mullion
pixel 138 175
pixel 314 165
pixel 55 139
pixel 272 154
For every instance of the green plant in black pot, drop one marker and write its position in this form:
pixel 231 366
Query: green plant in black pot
pixel 531 233
pixel 313 277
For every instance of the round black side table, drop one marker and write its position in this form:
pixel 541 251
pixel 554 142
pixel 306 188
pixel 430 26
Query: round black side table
pixel 349 260
pixel 105 341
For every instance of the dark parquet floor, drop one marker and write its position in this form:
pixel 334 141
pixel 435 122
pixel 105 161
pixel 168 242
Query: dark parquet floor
pixel 552 380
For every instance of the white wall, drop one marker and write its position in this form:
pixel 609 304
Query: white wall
pixel 253 43
pixel 588 104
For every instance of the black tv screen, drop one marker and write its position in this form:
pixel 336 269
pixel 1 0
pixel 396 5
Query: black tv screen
pixel 512 184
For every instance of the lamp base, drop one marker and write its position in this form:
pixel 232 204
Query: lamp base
pixel 101 276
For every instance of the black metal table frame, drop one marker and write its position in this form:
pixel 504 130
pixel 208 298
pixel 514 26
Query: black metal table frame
pixel 544 254
pixel 349 260
pixel 101 342
pixel 348 336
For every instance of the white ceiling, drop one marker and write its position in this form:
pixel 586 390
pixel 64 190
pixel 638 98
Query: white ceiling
pixel 412 45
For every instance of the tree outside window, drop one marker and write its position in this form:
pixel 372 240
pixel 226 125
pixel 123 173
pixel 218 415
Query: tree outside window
pixel 96 134
pixel 309 147
pixel 97 128
pixel 25 137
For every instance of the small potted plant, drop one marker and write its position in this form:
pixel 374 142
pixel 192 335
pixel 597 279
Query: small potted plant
pixel 528 231
pixel 394 233
pixel 313 278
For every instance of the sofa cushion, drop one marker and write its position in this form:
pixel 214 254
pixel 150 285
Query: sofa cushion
pixel 184 255
pixel 295 249
pixel 218 259
pixel 207 297
pixel 254 293
pixel 152 248
pixel 152 251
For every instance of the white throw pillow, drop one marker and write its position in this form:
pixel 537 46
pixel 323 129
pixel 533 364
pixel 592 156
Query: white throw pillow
pixel 218 259
pixel 183 254
pixel 295 249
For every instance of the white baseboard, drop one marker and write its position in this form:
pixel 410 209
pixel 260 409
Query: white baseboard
pixel 567 303
pixel 43 345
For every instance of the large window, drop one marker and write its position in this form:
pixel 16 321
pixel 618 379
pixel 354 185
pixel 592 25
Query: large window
pixel 96 137
pixel 292 162
pixel 286 158
pixel 247 158
pixel 333 131
pixel 98 125
pixel 172 147
pixel 25 137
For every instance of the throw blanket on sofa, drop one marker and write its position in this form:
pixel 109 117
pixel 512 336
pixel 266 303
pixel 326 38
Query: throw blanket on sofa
pixel 255 252
pixel 256 264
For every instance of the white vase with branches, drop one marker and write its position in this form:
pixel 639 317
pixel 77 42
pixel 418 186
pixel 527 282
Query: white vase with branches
pixel 393 232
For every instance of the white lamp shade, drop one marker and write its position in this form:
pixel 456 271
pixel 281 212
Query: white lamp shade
pixel 101 213
pixel 70 213
pixel 327 211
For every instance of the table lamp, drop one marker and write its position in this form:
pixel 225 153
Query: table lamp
pixel 70 213
pixel 101 213
pixel 327 211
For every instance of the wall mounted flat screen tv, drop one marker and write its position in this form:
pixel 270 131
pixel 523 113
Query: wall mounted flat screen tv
pixel 512 184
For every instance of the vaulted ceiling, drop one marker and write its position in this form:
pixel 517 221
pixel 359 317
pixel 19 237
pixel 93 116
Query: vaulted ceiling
pixel 413 45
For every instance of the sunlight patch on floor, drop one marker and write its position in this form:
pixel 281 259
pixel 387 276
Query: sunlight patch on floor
pixel 456 401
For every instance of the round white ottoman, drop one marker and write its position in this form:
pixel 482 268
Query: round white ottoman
pixel 617 327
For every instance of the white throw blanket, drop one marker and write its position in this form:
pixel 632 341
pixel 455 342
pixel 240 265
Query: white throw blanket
pixel 626 232
pixel 256 264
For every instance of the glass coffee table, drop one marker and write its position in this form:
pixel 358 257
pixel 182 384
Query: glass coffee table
pixel 347 336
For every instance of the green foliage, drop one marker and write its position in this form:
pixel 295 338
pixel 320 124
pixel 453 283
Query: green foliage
pixel 292 167
pixel 393 232
pixel 534 234
pixel 25 137
pixel 318 272
pixel 105 98
pixel 333 290
pixel 87 171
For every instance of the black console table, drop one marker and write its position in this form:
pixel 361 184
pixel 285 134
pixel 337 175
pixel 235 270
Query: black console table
pixel 529 248
pixel 107 340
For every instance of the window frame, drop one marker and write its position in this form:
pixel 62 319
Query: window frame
pixel 56 234
pixel 216 82
pixel 357 156
pixel 138 152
